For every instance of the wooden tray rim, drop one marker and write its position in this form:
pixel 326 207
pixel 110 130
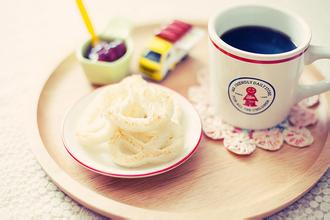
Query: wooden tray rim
pixel 114 209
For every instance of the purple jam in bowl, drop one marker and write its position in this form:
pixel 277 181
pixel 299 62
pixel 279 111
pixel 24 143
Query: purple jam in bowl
pixel 107 51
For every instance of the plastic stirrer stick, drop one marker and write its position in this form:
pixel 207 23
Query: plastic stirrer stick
pixel 87 22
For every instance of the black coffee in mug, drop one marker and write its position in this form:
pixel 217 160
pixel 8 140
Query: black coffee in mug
pixel 258 39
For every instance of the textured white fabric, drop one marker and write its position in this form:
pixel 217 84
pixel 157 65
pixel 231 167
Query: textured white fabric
pixel 27 193
pixel 314 205
pixel 25 190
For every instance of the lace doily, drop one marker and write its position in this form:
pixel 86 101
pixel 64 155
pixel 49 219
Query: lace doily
pixel 293 131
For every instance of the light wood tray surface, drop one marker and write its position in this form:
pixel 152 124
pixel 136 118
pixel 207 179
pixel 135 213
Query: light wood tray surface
pixel 212 184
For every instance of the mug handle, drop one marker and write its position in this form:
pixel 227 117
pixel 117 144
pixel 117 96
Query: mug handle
pixel 312 54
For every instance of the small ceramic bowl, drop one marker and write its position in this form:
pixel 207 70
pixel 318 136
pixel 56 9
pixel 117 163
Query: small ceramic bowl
pixel 101 72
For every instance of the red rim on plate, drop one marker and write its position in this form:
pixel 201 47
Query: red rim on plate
pixel 139 175
pixel 153 173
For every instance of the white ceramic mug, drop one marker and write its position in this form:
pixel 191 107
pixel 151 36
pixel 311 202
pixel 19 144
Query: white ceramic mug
pixel 256 91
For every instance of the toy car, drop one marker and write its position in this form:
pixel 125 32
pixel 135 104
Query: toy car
pixel 167 48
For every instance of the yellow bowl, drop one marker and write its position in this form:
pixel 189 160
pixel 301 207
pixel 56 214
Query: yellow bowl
pixel 101 72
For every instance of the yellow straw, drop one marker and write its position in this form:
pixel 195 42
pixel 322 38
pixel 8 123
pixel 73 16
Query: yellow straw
pixel 87 22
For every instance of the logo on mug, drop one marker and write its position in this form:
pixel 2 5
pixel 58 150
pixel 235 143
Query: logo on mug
pixel 251 95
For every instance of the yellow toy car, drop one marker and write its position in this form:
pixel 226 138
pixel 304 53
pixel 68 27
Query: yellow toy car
pixel 168 48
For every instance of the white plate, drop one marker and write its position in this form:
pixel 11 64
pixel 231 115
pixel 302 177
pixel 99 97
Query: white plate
pixel 99 160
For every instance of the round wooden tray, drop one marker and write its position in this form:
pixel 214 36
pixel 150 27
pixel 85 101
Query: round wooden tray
pixel 212 184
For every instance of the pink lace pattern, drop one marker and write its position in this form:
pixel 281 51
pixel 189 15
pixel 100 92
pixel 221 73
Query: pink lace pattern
pixel 293 131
